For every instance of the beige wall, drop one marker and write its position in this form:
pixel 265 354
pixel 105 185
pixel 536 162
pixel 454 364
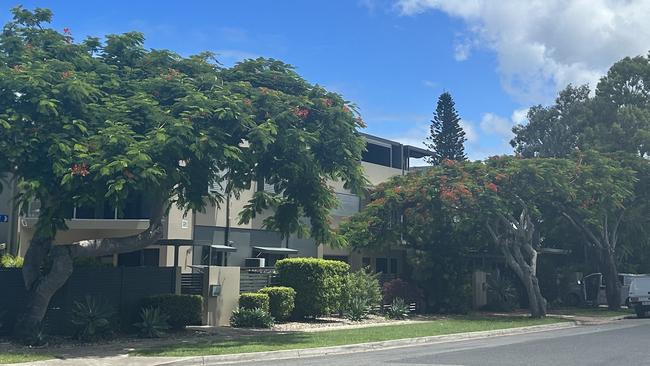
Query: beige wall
pixel 214 216
pixel 378 173
pixel 218 310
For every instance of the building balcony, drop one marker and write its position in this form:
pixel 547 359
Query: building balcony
pixel 84 229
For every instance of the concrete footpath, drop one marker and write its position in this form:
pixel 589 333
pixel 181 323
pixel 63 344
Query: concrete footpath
pixel 125 360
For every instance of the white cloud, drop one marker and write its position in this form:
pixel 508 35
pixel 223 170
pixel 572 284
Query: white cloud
pixel 462 51
pixel 543 45
pixel 470 131
pixel 520 116
pixel 493 124
pixel 430 84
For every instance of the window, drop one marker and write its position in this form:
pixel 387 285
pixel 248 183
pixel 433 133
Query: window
pixel 218 257
pixel 393 265
pixel 377 154
pixel 381 265
pixel 145 257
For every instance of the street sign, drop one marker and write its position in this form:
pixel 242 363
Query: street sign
pixel 4 218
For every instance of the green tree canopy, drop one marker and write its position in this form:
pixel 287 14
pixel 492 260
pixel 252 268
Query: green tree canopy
pixel 447 137
pixel 101 120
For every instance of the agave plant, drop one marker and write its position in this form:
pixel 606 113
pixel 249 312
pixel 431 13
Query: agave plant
pixel 92 318
pixel 398 309
pixel 153 324
pixel 502 295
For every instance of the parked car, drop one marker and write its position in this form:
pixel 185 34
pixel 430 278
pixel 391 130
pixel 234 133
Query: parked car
pixel 640 295
pixel 590 290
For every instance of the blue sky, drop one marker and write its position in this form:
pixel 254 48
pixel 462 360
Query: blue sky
pixel 391 58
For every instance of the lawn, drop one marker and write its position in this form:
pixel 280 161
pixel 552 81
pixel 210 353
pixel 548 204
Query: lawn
pixel 10 357
pixel 600 312
pixel 275 342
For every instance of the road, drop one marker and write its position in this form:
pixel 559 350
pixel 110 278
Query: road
pixel 620 343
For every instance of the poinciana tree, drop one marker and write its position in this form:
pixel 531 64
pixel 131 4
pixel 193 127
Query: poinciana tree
pixel 600 199
pixel 98 121
pixel 503 200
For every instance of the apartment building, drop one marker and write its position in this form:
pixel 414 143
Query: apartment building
pixel 215 237
pixel 219 239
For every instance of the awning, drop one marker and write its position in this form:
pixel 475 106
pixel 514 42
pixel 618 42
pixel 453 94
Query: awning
pixel 176 242
pixel 223 248
pixel 276 250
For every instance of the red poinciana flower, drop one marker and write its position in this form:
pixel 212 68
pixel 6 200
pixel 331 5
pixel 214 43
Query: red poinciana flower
pixel 80 169
pixel 66 74
pixel 327 102
pixel 491 186
pixel 127 173
pixel 346 109
pixel 66 31
pixel 448 162
pixel 300 112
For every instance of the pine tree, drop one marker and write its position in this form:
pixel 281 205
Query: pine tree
pixel 447 137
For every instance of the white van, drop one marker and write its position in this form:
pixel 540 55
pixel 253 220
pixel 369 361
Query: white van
pixel 640 295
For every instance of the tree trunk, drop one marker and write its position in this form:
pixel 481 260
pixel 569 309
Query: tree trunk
pixel 536 302
pixel 612 285
pixel 604 238
pixel 518 241
pixel 41 292
pixel 47 267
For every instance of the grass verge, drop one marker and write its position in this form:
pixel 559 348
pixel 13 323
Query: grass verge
pixel 274 342
pixel 11 357
pixel 592 312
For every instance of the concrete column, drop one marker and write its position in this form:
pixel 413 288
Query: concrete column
pixel 218 309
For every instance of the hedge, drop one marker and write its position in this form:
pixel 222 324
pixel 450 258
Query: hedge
pixel 281 301
pixel 254 300
pixel 182 310
pixel 318 284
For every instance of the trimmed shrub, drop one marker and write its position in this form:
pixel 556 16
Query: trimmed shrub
pixel 361 293
pixel 318 284
pixel 281 301
pixel 9 261
pixel 251 318
pixel 182 310
pixel 254 300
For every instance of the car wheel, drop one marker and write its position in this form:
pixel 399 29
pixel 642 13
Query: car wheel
pixel 640 311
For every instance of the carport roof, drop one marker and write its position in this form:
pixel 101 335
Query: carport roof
pixel 275 250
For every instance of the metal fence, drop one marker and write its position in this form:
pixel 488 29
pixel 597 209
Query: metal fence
pixel 122 287
pixel 192 283
pixel 252 279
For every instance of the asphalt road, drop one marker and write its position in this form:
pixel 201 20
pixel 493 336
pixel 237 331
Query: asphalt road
pixel 621 343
